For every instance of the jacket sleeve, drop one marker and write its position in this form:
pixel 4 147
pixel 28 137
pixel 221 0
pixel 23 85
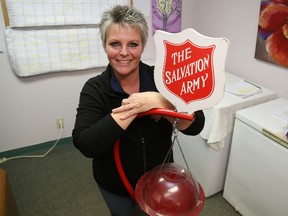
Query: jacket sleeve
pixel 95 131
pixel 197 126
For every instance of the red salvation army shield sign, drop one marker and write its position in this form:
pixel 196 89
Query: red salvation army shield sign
pixel 190 69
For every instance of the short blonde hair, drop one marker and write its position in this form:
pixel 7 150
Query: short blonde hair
pixel 123 15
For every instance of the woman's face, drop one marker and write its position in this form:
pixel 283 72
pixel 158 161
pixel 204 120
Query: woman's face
pixel 124 48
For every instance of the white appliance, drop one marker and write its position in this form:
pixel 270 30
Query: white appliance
pixel 207 154
pixel 257 174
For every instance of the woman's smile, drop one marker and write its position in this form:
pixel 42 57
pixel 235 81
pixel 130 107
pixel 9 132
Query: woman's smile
pixel 124 49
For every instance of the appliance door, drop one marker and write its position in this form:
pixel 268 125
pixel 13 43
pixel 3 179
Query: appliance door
pixel 257 174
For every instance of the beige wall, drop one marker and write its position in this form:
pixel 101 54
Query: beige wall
pixel 238 21
pixel 29 106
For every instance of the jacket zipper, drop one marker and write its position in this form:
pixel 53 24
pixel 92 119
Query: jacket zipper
pixel 144 154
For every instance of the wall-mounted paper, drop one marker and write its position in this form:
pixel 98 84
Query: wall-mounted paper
pixel 26 13
pixel 34 52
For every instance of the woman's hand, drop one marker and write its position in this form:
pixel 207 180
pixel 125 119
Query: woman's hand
pixel 142 102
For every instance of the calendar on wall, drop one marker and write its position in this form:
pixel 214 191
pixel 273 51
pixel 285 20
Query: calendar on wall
pixel 53 36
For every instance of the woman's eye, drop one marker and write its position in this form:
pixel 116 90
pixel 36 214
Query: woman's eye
pixel 114 44
pixel 133 44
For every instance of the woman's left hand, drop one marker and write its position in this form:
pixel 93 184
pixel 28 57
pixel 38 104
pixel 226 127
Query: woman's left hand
pixel 144 101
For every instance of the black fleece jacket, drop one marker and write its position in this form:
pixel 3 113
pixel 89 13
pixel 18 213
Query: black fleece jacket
pixel 143 145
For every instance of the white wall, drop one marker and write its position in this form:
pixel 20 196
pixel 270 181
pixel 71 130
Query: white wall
pixel 238 21
pixel 29 106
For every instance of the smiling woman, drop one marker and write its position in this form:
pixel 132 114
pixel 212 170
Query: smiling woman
pixel 124 47
pixel 109 104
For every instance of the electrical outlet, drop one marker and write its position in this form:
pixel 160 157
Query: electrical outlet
pixel 60 122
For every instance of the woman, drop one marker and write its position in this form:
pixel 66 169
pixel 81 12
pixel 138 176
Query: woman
pixel 109 104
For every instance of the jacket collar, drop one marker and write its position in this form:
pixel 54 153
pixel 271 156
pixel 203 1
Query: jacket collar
pixel 146 83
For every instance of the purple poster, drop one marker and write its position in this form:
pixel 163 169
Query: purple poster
pixel 166 15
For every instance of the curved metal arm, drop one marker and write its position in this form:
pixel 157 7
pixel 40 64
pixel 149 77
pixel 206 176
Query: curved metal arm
pixel 166 112
pixel 157 111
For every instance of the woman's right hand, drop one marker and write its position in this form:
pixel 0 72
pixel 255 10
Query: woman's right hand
pixel 141 102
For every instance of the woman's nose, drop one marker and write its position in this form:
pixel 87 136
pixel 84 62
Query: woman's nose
pixel 124 51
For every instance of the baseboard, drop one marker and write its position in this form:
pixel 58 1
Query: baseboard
pixel 33 148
